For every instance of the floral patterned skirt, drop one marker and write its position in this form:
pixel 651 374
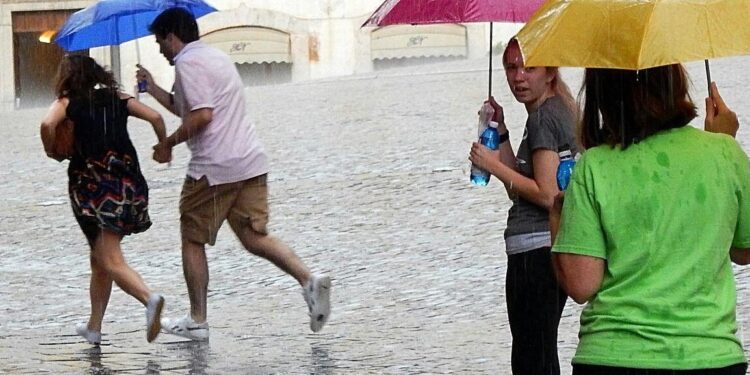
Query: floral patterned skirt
pixel 109 193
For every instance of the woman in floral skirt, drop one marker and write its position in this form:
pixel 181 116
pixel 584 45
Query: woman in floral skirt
pixel 108 192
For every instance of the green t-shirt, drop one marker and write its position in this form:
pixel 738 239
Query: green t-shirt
pixel 663 214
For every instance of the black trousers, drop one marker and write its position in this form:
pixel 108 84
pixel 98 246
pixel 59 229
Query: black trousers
pixel 738 369
pixel 535 304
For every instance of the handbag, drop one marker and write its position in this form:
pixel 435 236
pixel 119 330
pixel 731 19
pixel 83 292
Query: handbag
pixel 64 144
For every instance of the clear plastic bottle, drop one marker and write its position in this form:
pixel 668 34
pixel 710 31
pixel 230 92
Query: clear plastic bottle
pixel 565 169
pixel 491 139
pixel 485 116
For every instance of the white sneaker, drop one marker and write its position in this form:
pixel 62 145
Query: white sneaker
pixel 153 316
pixel 93 337
pixel 186 327
pixel 317 293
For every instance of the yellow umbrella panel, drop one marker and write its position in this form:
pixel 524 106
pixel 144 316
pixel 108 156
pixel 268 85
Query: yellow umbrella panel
pixel 634 34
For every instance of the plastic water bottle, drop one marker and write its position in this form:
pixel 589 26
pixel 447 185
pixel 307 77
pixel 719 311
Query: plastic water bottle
pixel 565 169
pixel 485 116
pixel 491 139
pixel 142 86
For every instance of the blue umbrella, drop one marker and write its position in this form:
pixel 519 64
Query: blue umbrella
pixel 112 22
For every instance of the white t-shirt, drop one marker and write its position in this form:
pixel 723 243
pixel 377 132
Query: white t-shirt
pixel 228 149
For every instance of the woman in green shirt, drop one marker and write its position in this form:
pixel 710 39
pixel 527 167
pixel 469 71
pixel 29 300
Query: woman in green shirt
pixel 653 214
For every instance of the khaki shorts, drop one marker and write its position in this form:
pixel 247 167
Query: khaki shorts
pixel 204 208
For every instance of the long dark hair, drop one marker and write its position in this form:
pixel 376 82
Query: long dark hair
pixel 622 107
pixel 78 75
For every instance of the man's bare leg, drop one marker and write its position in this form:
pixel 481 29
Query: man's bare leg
pixel 277 252
pixel 316 290
pixel 195 269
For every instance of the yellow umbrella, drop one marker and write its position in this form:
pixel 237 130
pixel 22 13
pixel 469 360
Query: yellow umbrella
pixel 634 34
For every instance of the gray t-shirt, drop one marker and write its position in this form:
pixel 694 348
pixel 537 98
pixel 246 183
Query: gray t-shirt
pixel 550 127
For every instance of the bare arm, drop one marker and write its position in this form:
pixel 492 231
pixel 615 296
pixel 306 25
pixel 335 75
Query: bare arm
pixel 580 276
pixel 721 119
pixel 540 190
pixel 543 188
pixel 555 215
pixel 163 97
pixel 507 157
pixel 194 123
pixel 147 113
pixel 55 115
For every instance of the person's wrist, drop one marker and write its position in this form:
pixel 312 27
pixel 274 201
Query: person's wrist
pixel 170 142
pixel 504 136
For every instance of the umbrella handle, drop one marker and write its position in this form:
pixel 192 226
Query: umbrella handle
pixel 489 89
pixel 137 58
pixel 137 52
pixel 708 76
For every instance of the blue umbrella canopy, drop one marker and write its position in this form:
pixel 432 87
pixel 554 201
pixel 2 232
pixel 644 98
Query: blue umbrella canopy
pixel 112 22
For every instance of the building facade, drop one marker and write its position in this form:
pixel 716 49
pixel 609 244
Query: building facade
pixel 270 41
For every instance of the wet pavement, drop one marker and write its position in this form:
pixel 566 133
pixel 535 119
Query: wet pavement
pixel 369 183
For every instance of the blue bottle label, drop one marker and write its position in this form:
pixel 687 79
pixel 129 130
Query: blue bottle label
pixel 491 139
pixel 564 172
pixel 142 86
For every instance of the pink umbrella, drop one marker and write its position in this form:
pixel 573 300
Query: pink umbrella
pixel 423 12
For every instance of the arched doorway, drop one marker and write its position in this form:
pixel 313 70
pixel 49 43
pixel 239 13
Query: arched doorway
pixel 35 62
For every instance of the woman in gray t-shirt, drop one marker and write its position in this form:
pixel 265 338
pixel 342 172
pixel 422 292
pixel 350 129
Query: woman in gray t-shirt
pixel 534 299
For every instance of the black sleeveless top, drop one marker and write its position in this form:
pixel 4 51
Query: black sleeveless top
pixel 106 187
pixel 100 126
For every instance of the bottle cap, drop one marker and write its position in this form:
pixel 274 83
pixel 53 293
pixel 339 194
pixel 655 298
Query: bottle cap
pixel 564 153
pixel 493 124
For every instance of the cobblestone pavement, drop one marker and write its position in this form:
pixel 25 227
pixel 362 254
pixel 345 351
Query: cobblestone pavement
pixel 369 183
